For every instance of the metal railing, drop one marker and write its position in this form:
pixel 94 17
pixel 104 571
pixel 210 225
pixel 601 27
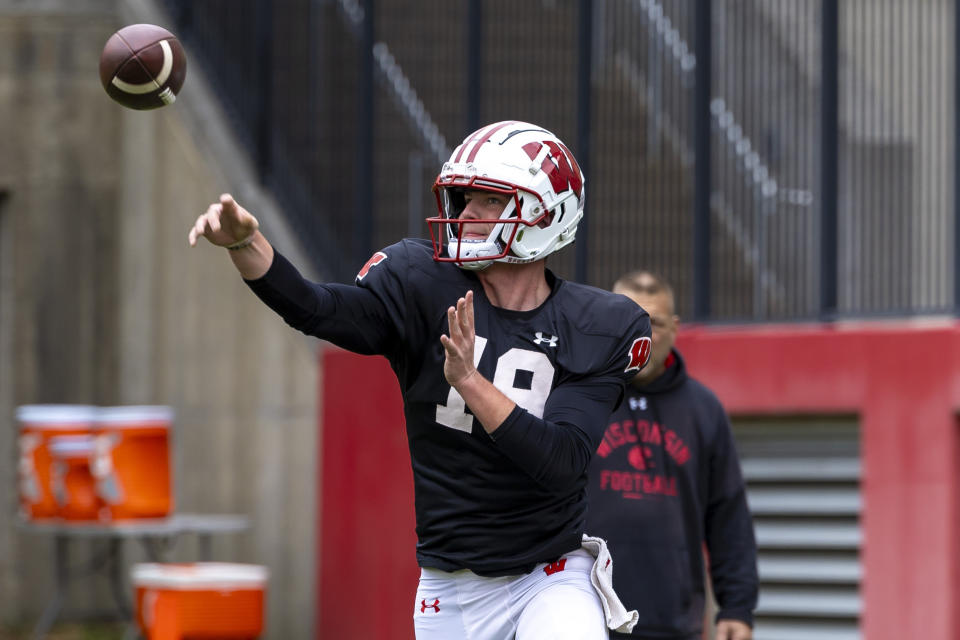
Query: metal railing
pixel 349 108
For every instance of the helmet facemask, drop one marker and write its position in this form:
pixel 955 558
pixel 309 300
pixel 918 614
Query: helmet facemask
pixel 475 253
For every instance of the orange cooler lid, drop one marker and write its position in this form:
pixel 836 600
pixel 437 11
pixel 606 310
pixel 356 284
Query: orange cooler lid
pixel 135 416
pixel 55 415
pixel 199 576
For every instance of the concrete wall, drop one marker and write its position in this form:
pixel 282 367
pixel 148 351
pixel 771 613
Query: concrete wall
pixel 102 301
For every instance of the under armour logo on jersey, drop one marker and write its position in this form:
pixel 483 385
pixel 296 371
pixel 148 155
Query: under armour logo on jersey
pixel 550 340
pixel 554 567
pixel 638 403
pixel 424 606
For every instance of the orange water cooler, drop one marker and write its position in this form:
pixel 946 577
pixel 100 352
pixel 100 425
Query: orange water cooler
pixel 203 600
pixel 38 424
pixel 131 463
pixel 71 482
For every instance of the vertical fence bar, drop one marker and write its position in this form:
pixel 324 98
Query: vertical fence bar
pixel 956 158
pixel 829 99
pixel 263 106
pixel 363 229
pixel 584 69
pixel 701 174
pixel 474 40
pixel 183 17
pixel 415 206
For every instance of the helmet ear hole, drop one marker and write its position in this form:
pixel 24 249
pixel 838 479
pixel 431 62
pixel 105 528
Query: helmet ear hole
pixel 548 219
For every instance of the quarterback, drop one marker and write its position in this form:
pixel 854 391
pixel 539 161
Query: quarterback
pixel 507 372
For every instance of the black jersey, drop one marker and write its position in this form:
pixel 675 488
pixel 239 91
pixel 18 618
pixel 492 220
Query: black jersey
pixel 493 503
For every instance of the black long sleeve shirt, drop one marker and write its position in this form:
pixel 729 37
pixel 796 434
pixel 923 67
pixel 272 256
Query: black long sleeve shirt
pixel 493 503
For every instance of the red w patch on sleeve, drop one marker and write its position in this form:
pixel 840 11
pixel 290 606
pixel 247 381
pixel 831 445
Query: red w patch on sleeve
pixel 639 353
pixel 375 259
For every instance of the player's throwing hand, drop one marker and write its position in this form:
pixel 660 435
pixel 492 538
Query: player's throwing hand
pixel 224 223
pixel 458 346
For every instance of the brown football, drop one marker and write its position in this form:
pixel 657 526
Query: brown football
pixel 143 66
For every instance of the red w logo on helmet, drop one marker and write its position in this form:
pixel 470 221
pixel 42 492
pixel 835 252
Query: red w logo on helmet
pixel 559 165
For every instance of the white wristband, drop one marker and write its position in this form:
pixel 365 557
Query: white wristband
pixel 246 242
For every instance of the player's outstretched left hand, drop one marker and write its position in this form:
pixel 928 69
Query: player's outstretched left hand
pixel 733 630
pixel 458 346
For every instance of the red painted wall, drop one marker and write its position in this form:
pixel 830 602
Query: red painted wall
pixel 367 568
pixel 902 380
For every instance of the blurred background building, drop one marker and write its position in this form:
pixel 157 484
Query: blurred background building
pixel 789 165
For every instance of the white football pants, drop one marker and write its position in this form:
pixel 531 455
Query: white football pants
pixel 554 602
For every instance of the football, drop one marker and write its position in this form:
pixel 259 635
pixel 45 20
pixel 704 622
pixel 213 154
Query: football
pixel 143 66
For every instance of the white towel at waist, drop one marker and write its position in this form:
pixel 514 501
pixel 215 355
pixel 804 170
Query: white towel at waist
pixel 601 576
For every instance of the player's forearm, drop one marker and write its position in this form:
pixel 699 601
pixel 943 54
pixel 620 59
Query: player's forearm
pixel 487 403
pixel 350 317
pixel 556 448
pixel 553 455
pixel 253 260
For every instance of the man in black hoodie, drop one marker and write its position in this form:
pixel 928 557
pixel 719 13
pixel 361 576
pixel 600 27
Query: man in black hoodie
pixel 666 483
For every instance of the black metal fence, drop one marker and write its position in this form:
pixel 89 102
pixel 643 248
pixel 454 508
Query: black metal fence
pixel 775 160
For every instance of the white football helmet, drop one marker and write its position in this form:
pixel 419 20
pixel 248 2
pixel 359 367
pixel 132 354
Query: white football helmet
pixel 539 175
